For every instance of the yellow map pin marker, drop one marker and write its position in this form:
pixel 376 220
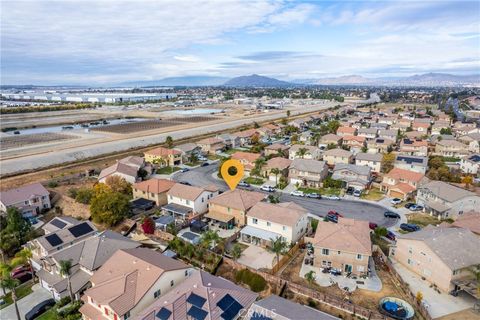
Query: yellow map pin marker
pixel 228 172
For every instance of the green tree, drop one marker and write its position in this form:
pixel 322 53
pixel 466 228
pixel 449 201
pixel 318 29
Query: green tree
pixel 169 142
pixel 210 238
pixel 236 251
pixel 10 284
pixel 333 126
pixel 301 152
pixel 107 206
pixel 310 277
pixel 387 162
pixel 119 184
pixel 436 162
pixel 314 224
pixel 381 231
pixel 446 131
pixel 84 195
pixel 288 113
pixel 66 271
pixel 15 231
pixel 279 246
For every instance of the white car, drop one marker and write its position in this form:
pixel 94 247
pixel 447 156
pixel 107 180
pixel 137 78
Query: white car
pixel 202 158
pixel 357 193
pixel 267 188
pixel 396 201
pixel 297 193
pixel 331 197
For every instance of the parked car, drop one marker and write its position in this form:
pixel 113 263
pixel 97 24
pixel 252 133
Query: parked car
pixel 243 184
pixel 372 225
pixel 330 197
pixel 185 183
pixel 350 190
pixel 416 207
pixel 390 235
pixel 267 188
pixel 391 214
pixel 357 193
pixel 313 195
pixel 184 170
pixel 204 164
pixel 23 277
pixel 39 309
pixel 335 213
pixel 201 158
pixel 297 193
pixel 19 269
pixel 332 218
pixel 409 205
pixel 410 227
pixel 396 201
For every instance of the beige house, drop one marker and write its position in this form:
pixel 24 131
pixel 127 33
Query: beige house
pixel 164 157
pixel 211 145
pixel 372 160
pixel 450 148
pixel 472 140
pixel 279 163
pixel 346 131
pixel 275 149
pixel 442 256
pixel 230 208
pixel 329 139
pixel 379 145
pixel 336 156
pixel 401 183
pixel 414 147
pixel 344 246
pixel 153 189
pixel 355 143
pixel 130 281
pixel 307 172
pixel 247 159
pixel 310 152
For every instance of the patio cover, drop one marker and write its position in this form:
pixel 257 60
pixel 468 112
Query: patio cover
pixel 177 208
pixel 470 286
pixel 259 233
pixel 437 206
pixel 219 216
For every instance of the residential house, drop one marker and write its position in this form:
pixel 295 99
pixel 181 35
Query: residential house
pixel 275 149
pixel 230 140
pixel 310 152
pixel 344 246
pixel 59 223
pixel 307 172
pixel 230 208
pixel 372 160
pixel 186 202
pixel 346 131
pixel 445 200
pixel 438 126
pixel 412 163
pixel 306 137
pixel 201 296
pixel 275 307
pixel 45 245
pixel 357 177
pixel 390 120
pixel 300 124
pixel 267 221
pixel 246 137
pixel 355 143
pixel 401 183
pixel 30 200
pixel 450 148
pixel 269 130
pixel 469 220
pixel 164 157
pixel 211 145
pixel 380 145
pixel 388 134
pixel 368 133
pixel 279 163
pixel 85 257
pixel 335 156
pixel 470 164
pixel 329 139
pixel 379 126
pixel 472 140
pixel 247 159
pixel 421 126
pixel 416 147
pixel 130 281
pixel 402 126
pixel 440 255
pixel 189 151
pixel 153 189
pixel 119 169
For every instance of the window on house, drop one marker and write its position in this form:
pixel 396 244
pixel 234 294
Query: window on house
pixel 455 272
pixel 284 228
pixel 152 195
pixel 268 224
pixel 171 197
pixel 157 294
pixel 106 310
pixel 172 283
pixel 338 252
pixel 229 209
pixel 186 273
pixel 126 315
pixel 325 252
pixel 410 262
pixel 187 202
pixel 255 221
pixel 359 257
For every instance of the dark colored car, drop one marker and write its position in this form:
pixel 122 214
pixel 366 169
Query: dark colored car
pixel 335 213
pixel 391 214
pixel 409 205
pixel 372 225
pixel 409 227
pixel 390 235
pixel 19 270
pixel 185 183
pixel 350 190
pixel 204 164
pixel 39 309
pixel 332 218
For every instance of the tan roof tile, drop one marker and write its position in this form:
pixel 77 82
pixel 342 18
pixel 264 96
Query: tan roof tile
pixel 238 199
pixel 154 185
pixel 285 213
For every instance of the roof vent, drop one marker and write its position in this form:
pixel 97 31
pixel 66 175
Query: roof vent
pixel 209 284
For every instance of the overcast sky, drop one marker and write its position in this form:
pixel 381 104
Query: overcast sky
pixel 105 42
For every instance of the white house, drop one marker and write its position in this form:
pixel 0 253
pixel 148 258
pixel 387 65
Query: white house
pixel 187 201
pixel 470 164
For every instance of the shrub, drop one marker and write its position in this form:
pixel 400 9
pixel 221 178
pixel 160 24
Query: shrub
pixel 52 184
pixel 312 303
pixel 84 195
pixel 72 193
pixel 63 302
pixel 256 282
pixel 148 225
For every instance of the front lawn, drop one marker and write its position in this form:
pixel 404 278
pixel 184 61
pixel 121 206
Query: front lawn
pixel 374 194
pixel 424 220
pixel 167 170
pixel 254 180
pixel 22 291
pixel 51 314
pixel 213 157
pixel 309 190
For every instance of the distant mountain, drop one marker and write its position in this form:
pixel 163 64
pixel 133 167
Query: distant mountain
pixel 188 81
pixel 257 81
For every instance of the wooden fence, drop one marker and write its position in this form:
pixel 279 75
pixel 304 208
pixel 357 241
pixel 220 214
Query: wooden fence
pixel 287 257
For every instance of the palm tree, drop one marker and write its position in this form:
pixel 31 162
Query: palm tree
pixel 310 277
pixel 301 152
pixel 4 273
pixel 10 284
pixel 236 252
pixel 65 271
pixel 210 238
pixel 276 172
pixel 279 246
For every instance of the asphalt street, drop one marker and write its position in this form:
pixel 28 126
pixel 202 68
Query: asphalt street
pixel 203 176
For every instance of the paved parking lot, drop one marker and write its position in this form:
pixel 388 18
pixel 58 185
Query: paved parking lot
pixel 25 304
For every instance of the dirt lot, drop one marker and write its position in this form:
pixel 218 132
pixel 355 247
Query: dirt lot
pixel 16 141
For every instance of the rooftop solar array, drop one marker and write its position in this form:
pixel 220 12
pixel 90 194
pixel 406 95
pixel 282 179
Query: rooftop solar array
pixel 229 306
pixel 197 313
pixel 196 300
pixel 80 229
pixel 163 314
pixel 58 223
pixel 54 240
pixel 409 159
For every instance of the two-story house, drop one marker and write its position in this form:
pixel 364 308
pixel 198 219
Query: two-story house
pixel 153 189
pixel 211 145
pixel 470 164
pixel 276 149
pixel 401 183
pixel 164 157
pixel 30 200
pixel 450 148
pixel 230 208
pixel 380 145
pixel 129 281
pixel 346 131
pixel 248 160
pixel 335 156
pixel 186 202
pixel 368 133
pixel 440 255
pixel 372 160
pixel 189 151
pixel 472 140
pixel 329 139
pixel 267 221
pixel 279 163
pixel 246 137
pixel 412 163
pixel 307 172
pixel 444 200
pixel 355 143
pixel 344 246
pixel 416 147
pixel 299 151
pixel 388 134
pixel 357 177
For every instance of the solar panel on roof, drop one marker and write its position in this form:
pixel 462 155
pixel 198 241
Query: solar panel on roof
pixel 232 311
pixel 163 314
pixel 54 240
pixel 197 313
pixel 225 302
pixel 258 316
pixel 196 300
pixel 58 223
pixel 80 229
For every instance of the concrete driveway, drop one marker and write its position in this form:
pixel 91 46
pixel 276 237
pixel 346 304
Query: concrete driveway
pixel 25 304
pixel 257 258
